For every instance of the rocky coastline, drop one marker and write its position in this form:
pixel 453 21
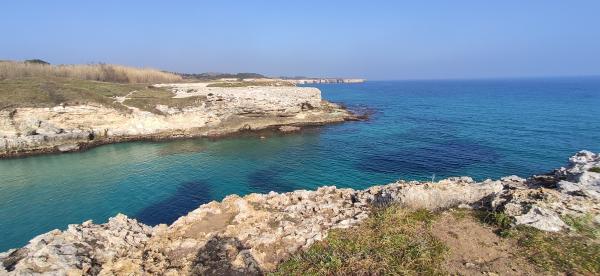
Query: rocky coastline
pixel 218 112
pixel 254 233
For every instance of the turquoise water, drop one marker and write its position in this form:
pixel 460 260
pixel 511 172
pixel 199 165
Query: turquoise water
pixel 485 129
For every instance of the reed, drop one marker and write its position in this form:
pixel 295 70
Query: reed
pixel 96 72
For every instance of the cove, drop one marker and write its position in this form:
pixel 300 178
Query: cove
pixel 418 129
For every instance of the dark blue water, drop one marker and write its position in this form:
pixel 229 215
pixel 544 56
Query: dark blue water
pixel 485 129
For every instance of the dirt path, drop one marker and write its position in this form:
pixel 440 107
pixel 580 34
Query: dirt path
pixel 476 250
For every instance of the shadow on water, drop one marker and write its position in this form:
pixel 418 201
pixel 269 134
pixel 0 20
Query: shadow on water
pixel 266 180
pixel 441 158
pixel 188 197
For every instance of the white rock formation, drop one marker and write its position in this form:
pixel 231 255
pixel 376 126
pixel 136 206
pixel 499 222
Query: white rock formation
pixel 541 200
pixel 226 110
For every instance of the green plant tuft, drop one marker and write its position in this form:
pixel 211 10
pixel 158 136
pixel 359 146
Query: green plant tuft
pixel 392 241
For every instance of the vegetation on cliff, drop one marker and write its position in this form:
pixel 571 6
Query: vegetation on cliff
pixel 216 76
pixel 95 72
pixel 395 240
pixel 53 91
pixel 392 241
pixel 250 83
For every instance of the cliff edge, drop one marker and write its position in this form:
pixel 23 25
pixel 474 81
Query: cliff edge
pixel 254 233
pixel 185 110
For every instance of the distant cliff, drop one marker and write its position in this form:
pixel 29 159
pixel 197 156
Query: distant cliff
pixel 324 80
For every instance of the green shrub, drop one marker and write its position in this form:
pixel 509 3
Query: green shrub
pixel 502 221
pixel 392 241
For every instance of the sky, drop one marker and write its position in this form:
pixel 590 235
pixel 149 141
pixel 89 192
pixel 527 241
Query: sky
pixel 368 39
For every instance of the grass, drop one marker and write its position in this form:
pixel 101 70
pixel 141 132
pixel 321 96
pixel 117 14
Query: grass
pixel 595 169
pixel 52 91
pixel 399 241
pixel 49 92
pixel 577 252
pixel 558 252
pixel 250 83
pixel 583 225
pixel 500 220
pixel 96 72
pixel 392 241
pixel 147 99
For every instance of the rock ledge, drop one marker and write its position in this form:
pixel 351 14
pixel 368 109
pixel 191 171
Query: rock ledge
pixel 252 234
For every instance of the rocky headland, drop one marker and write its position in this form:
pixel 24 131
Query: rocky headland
pixel 324 80
pixel 254 233
pixel 213 111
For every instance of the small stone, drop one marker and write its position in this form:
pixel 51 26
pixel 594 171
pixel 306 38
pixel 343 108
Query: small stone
pixel 469 265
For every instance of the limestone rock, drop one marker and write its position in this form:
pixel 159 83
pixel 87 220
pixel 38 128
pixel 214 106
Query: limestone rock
pixel 286 129
pixel 542 219
pixel 224 110
pixel 113 247
pixel 250 235
pixel 67 147
pixel 540 200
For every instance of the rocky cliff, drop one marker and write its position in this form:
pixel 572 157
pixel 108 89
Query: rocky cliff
pixel 324 81
pixel 252 234
pixel 217 111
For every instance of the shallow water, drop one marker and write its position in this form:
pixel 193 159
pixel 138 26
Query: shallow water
pixel 419 130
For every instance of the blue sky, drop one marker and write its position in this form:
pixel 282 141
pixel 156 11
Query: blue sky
pixel 371 39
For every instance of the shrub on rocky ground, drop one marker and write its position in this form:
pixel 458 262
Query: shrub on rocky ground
pixel 393 241
pixel 573 252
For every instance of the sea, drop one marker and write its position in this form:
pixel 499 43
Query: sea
pixel 417 130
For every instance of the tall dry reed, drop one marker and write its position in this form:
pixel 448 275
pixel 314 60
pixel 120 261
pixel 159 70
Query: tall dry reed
pixel 97 72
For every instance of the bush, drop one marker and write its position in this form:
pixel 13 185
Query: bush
pixel 37 61
pixel 595 169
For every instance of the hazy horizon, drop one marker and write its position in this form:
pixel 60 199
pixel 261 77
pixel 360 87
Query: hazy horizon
pixel 376 41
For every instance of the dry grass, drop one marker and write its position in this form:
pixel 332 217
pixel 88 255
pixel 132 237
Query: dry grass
pixel 52 91
pixel 96 72
pixel 147 99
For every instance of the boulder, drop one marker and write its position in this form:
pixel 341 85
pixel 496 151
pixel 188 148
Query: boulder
pixel 540 218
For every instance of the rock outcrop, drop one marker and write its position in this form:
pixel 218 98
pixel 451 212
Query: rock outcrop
pixel 26 131
pixel 252 234
pixel 542 200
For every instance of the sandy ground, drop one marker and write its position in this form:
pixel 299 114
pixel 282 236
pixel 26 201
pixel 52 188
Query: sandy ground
pixel 476 250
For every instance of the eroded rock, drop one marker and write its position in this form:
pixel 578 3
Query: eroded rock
pixel 225 110
pixel 250 235
pixel 287 129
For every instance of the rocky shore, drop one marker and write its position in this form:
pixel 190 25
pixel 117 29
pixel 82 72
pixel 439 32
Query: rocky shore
pixel 254 233
pixel 217 111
